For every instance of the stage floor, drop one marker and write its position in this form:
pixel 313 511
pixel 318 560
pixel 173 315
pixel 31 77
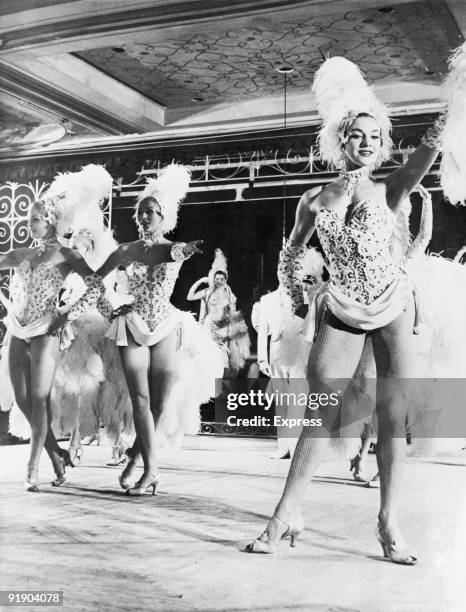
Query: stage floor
pixel 183 549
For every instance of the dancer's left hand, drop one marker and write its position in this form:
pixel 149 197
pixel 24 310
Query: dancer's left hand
pixel 191 248
pixel 57 326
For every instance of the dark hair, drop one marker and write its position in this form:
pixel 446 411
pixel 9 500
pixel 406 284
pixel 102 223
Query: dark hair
pixel 220 272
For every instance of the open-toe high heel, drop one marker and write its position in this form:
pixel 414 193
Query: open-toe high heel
pixel 394 551
pixel 32 480
pixel 145 483
pixel 275 531
pixel 119 456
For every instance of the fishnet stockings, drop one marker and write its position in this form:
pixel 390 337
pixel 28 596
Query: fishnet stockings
pixel 332 363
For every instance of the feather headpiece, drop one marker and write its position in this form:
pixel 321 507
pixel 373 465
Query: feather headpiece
pixel 342 94
pixel 453 165
pixel 72 202
pixel 168 189
pixel 220 264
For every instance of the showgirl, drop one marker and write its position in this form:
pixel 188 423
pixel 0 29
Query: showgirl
pixel 170 362
pixel 369 298
pixel 68 210
pixel 219 315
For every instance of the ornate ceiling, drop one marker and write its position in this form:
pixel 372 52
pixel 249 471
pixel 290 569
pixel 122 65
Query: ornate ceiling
pixel 187 67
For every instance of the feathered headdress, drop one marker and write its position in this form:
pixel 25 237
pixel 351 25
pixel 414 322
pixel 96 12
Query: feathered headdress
pixel 72 202
pixel 342 94
pixel 453 165
pixel 218 265
pixel 168 189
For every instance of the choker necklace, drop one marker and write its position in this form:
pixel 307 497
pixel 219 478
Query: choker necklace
pixel 150 239
pixel 353 178
pixel 42 243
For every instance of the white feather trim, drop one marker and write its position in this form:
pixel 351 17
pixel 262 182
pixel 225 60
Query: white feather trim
pixel 73 202
pixel 313 264
pixel 453 164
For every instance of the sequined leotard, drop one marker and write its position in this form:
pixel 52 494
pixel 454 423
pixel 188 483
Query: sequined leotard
pixel 151 288
pixel 358 252
pixel 33 291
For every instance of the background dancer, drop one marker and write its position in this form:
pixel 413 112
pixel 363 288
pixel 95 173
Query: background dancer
pixel 170 362
pixel 71 205
pixel 220 317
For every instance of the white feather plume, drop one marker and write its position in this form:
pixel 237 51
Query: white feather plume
pixel 342 94
pixel 453 165
pixel 168 189
pixel 73 199
pixel 313 264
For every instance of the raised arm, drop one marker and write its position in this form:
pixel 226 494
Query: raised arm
pixel 402 182
pixel 290 265
pixel 193 294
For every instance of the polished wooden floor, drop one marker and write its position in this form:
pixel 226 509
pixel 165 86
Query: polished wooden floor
pixel 182 549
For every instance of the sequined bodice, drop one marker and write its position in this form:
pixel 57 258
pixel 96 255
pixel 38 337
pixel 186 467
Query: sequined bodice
pixel 358 251
pixel 151 288
pixel 33 292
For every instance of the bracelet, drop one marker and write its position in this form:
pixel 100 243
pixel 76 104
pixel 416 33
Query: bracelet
pixel 433 137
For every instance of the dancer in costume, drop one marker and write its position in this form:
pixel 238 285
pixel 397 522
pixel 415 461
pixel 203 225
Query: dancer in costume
pixel 219 315
pixel 89 396
pixel 70 205
pixel 369 296
pixel 170 363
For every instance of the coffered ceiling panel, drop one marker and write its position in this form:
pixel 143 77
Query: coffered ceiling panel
pixel 219 64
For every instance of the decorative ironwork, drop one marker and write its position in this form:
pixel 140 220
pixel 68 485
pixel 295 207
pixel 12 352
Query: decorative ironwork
pixel 15 202
pixel 259 169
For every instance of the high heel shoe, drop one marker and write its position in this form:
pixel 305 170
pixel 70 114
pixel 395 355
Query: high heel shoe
pixel 275 531
pixel 146 482
pixel 32 480
pixel 355 467
pixel 75 454
pixel 60 462
pixel 393 551
pixel 119 456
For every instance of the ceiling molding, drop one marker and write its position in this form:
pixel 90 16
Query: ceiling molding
pixel 203 134
pixel 158 16
pixel 18 85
